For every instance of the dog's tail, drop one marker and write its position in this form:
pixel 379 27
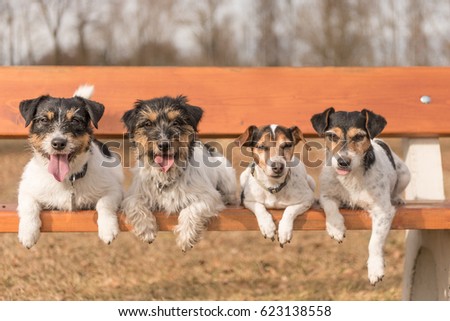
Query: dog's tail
pixel 84 91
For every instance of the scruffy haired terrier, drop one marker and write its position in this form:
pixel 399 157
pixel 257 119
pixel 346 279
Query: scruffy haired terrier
pixel 276 179
pixel 174 172
pixel 360 172
pixel 67 171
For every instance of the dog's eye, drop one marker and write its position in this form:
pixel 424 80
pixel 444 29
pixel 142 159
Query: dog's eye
pixel 43 120
pixel 176 122
pixel 287 146
pixel 358 137
pixel 262 147
pixel 75 121
pixel 332 137
pixel 147 123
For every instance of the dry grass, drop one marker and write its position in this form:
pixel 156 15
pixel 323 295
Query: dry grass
pixel 223 266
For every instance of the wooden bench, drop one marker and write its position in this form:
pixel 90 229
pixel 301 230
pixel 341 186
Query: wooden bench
pixel 234 98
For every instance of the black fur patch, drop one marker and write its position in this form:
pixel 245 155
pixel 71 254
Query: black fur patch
pixel 103 148
pixel 369 158
pixel 387 151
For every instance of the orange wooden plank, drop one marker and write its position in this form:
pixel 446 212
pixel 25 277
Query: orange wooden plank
pixel 234 98
pixel 425 216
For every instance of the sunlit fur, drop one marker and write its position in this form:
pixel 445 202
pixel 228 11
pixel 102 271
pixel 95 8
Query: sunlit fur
pixel 197 185
pixel 360 172
pixel 270 145
pixel 100 188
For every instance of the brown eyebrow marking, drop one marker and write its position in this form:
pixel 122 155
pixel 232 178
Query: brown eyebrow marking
pixel 150 114
pixel 173 114
pixel 50 115
pixel 352 132
pixel 336 130
pixel 71 112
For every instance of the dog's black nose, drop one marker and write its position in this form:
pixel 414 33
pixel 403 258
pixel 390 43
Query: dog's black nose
pixel 59 143
pixel 164 145
pixel 344 162
pixel 277 167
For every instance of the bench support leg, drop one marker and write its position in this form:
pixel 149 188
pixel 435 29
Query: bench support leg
pixel 427 256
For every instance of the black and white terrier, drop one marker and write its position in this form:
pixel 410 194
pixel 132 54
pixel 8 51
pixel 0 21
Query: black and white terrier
pixel 174 171
pixel 360 172
pixel 276 179
pixel 70 170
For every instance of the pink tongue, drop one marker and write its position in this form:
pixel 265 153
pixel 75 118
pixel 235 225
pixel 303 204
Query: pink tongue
pixel 165 162
pixel 342 171
pixel 59 166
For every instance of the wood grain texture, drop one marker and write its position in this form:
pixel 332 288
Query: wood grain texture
pixel 234 98
pixel 425 216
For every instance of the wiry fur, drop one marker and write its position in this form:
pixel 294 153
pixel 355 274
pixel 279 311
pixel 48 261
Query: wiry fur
pixel 295 197
pixel 100 188
pixel 193 188
pixel 373 183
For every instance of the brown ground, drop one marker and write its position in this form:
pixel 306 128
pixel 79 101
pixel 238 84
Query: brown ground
pixel 223 266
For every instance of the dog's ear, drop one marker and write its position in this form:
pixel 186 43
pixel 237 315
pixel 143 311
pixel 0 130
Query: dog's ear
pixel 95 110
pixel 130 119
pixel 374 123
pixel 28 108
pixel 320 122
pixel 195 114
pixel 246 139
pixel 297 136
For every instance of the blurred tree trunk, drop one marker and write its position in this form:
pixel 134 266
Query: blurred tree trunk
pixel 52 14
pixel 418 47
pixel 337 33
pixel 27 39
pixel 214 37
pixel 9 15
pixel 268 44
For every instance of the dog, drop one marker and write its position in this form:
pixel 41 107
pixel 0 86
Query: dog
pixel 276 179
pixel 360 172
pixel 69 169
pixel 174 171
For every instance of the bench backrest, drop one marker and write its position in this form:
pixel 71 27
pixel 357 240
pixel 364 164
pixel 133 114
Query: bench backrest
pixel 234 98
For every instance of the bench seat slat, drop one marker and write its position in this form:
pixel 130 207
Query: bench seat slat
pixel 425 216
pixel 234 98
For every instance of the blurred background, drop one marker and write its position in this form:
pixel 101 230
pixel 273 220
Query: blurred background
pixel 225 33
pixel 223 266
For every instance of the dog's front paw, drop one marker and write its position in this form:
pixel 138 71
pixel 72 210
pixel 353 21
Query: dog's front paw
pixel 285 228
pixel 375 268
pixel 146 229
pixel 336 228
pixel 29 232
pixel 108 229
pixel 267 227
pixel 398 201
pixel 186 240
